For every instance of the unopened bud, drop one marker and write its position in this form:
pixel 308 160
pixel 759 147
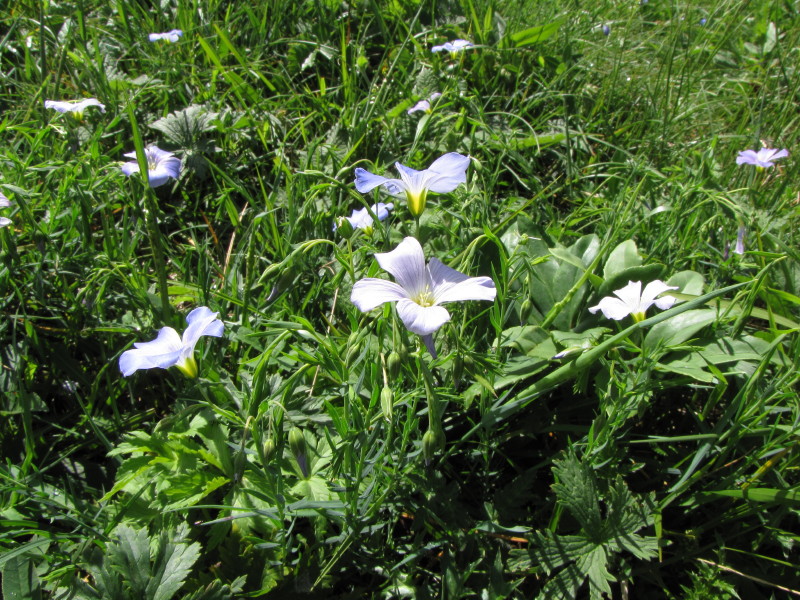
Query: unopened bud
pixel 458 369
pixel 344 227
pixel 431 441
pixel 297 444
pixel 387 402
pixel 269 448
pixel 525 311
pixel 393 364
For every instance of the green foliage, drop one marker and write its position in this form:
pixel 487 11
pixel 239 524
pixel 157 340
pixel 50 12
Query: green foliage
pixel 603 535
pixel 547 451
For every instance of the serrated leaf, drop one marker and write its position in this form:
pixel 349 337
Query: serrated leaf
pixel 129 556
pixel 576 489
pixel 173 560
pixel 185 127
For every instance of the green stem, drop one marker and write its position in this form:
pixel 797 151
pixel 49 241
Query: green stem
pixel 151 212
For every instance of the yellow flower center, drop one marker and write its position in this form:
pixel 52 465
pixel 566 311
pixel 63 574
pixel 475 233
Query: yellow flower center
pixel 425 297
pixel 416 202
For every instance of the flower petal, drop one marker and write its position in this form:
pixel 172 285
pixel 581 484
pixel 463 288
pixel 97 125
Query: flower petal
pixel 447 173
pixel 129 168
pixel 162 352
pixel 631 295
pixel 414 181
pixel 450 285
pixel 4 202
pixel 5 222
pixel 747 157
pixel 422 320
pixel 422 105
pixel 366 182
pixel 651 291
pixel 202 321
pixel 407 264
pixel 612 308
pixel 370 292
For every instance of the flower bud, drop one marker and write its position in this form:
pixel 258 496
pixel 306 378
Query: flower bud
pixel 525 311
pixel 344 227
pixel 297 444
pixel 269 448
pixel 458 369
pixel 393 364
pixel 429 445
pixel 387 402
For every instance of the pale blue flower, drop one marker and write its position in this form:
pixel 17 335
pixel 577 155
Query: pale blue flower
pixel 361 219
pixel 171 350
pixel 169 36
pixel 739 248
pixel 4 203
pixel 444 175
pixel 424 105
pixel 454 46
pixel 75 107
pixel 161 165
pixel 420 290
pixel 631 300
pixel 606 30
pixel 763 158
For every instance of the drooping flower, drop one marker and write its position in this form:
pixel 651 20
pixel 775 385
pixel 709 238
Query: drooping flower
pixel 631 300
pixel 739 248
pixel 453 47
pixel 169 36
pixel 171 350
pixel 75 107
pixel 161 165
pixel 444 175
pixel 763 158
pixel 420 289
pixel 424 105
pixel 4 203
pixel 361 219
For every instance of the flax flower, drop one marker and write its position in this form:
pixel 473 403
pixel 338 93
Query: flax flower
pixel 420 289
pixel 444 175
pixel 75 107
pixel 169 36
pixel 453 47
pixel 361 219
pixel 763 158
pixel 4 203
pixel 424 105
pixel 171 350
pixel 631 300
pixel 161 165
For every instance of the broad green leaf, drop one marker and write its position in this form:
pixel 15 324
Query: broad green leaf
pixel 687 282
pixel 623 257
pixel 679 328
pixel 20 581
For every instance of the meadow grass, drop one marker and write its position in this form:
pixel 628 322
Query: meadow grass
pixel 545 451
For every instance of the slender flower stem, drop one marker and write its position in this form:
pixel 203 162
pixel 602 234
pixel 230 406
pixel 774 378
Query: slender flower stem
pixel 151 212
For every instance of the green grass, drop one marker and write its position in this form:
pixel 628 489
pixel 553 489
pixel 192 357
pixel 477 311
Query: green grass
pixel 323 452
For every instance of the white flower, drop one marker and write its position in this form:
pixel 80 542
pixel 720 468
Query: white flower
pixel 161 165
pixel 170 36
pixel 169 349
pixel 454 46
pixel 763 158
pixel 420 290
pixel 76 107
pixel 630 300
pixel 444 175
pixel 361 219
pixel 4 203
pixel 424 105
